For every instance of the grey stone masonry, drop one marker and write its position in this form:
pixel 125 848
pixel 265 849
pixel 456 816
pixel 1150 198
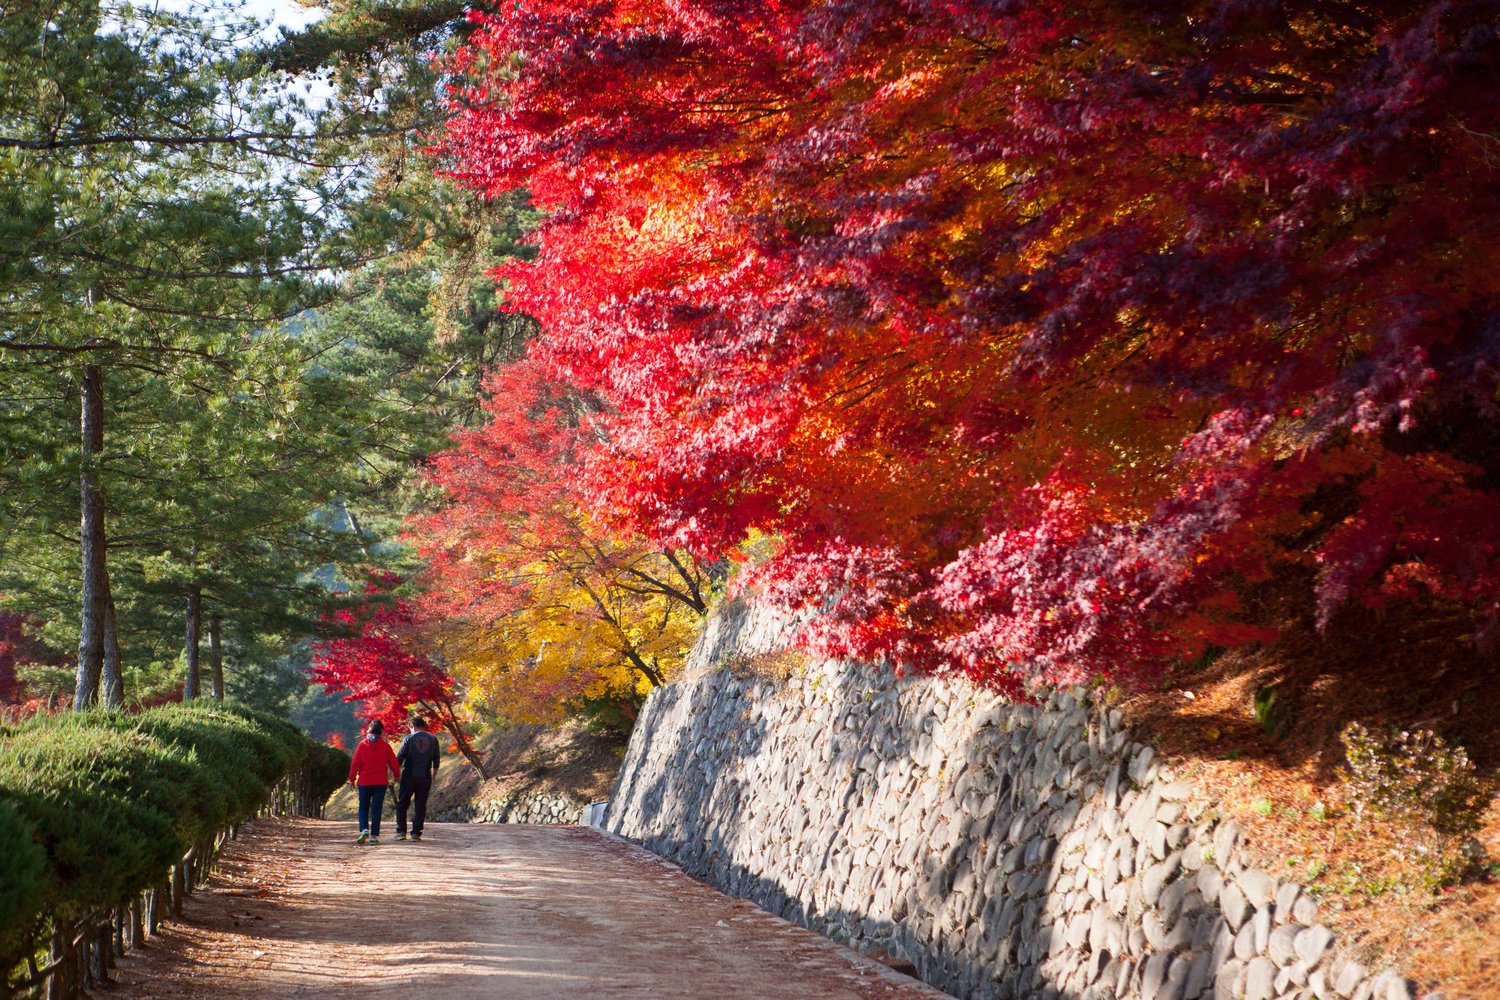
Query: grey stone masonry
pixel 519 808
pixel 1007 851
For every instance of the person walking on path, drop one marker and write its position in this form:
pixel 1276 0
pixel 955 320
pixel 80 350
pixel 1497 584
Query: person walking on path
pixel 372 759
pixel 418 756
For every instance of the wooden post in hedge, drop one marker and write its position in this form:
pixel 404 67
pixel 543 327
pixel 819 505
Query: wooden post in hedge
pixel 78 970
pixel 177 890
pixel 137 936
pixel 80 960
pixel 91 962
pixel 97 945
pixel 154 910
pixel 57 987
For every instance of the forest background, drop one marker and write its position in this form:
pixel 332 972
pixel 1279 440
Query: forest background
pixel 457 361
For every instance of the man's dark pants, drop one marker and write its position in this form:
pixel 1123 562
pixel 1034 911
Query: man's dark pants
pixel 412 787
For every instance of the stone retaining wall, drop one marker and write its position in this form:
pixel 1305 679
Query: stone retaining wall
pixel 1005 851
pixel 519 808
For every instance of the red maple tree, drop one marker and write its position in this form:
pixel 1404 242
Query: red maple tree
pixel 537 606
pixel 375 665
pixel 505 486
pixel 1028 329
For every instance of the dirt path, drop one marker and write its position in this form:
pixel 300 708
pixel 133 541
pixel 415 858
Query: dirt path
pixel 498 912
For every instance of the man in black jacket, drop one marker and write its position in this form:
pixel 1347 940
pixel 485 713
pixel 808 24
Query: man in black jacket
pixel 418 758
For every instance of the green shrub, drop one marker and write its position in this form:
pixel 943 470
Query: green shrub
pixel 1423 786
pixel 239 788
pixel 22 866
pixel 248 750
pixel 95 807
pixel 179 782
pixel 278 746
pixel 97 798
pixel 328 769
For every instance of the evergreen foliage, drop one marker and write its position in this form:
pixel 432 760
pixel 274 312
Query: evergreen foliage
pixel 22 868
pixel 167 202
pixel 109 802
pixel 266 290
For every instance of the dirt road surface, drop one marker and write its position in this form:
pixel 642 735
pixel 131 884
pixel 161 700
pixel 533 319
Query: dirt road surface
pixel 499 912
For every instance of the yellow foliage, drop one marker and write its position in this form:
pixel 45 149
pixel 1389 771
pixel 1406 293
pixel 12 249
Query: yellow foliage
pixel 584 632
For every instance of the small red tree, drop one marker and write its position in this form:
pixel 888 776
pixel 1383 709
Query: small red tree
pixel 376 667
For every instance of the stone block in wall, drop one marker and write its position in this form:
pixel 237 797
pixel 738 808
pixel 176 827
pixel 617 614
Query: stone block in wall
pixel 522 808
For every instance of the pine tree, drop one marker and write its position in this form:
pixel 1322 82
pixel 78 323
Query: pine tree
pixel 154 214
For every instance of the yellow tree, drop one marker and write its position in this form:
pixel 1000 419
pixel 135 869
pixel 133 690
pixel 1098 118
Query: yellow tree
pixel 582 634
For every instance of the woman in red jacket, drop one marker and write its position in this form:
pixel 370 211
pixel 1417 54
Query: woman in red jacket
pixel 372 758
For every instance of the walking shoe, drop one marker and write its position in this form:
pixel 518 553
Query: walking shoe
pixel 363 838
pixel 400 836
pixel 416 836
pixel 374 840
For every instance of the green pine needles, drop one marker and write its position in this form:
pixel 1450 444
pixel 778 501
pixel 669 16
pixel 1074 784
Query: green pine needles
pixel 96 807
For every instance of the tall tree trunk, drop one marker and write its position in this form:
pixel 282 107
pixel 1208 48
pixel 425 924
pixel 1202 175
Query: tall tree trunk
pixel 446 714
pixel 191 686
pixel 91 547
pixel 112 681
pixel 216 657
pixel 359 532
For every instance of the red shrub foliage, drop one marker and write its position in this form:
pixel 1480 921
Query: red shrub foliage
pixel 1028 329
pixel 10 686
pixel 17 647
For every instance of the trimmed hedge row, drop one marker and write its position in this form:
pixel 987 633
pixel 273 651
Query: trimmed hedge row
pixel 95 807
pixel 22 864
pixel 327 769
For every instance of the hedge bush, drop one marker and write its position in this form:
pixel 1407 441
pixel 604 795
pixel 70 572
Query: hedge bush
pixel 98 806
pixel 21 870
pixel 328 769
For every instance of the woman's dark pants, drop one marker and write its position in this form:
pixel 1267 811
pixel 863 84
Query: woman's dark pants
pixel 371 802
